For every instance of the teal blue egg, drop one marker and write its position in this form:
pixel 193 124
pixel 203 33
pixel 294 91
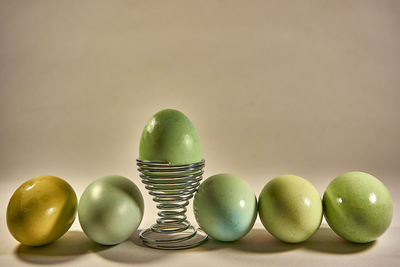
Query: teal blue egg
pixel 225 207
pixel 110 209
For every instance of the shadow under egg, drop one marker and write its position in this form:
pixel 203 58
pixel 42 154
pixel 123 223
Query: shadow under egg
pixel 212 244
pixel 71 245
pixel 256 241
pixel 260 241
pixel 132 251
pixel 326 241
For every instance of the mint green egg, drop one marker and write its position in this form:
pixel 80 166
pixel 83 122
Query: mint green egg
pixel 169 136
pixel 290 208
pixel 358 207
pixel 225 207
pixel 110 209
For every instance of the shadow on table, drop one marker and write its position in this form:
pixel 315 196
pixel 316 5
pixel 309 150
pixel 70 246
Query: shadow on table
pixel 256 241
pixel 132 251
pixel 260 241
pixel 75 243
pixel 326 241
pixel 68 247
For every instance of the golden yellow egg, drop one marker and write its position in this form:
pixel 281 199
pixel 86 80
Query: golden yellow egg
pixel 41 210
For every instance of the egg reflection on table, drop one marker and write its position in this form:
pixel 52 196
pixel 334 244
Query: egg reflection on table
pixel 290 208
pixel 358 207
pixel 225 207
pixel 41 210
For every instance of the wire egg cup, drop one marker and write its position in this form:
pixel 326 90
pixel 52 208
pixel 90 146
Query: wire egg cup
pixel 172 186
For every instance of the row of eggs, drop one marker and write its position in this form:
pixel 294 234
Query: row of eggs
pixel 357 206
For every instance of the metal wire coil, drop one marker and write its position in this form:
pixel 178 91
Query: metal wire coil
pixel 172 186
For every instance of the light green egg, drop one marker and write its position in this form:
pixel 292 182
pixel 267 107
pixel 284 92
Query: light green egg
pixel 358 207
pixel 110 209
pixel 169 136
pixel 225 207
pixel 290 208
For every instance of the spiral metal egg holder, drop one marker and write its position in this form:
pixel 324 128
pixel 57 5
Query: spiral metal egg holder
pixel 172 186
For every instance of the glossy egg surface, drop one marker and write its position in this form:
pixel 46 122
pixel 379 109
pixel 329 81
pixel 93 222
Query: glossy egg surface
pixel 290 208
pixel 358 207
pixel 41 210
pixel 169 136
pixel 225 207
pixel 110 209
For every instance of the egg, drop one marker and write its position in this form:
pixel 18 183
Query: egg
pixel 358 207
pixel 290 208
pixel 225 207
pixel 41 210
pixel 169 136
pixel 110 209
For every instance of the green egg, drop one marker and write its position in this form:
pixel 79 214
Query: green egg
pixel 110 209
pixel 225 207
pixel 169 136
pixel 290 208
pixel 358 207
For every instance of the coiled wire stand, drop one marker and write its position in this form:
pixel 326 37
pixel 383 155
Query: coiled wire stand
pixel 172 186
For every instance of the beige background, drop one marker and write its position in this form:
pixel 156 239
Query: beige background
pixel 303 87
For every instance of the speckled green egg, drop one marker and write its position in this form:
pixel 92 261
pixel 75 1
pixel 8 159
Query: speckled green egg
pixel 358 207
pixel 110 209
pixel 225 207
pixel 290 208
pixel 169 136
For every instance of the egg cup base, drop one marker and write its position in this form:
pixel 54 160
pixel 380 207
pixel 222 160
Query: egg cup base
pixel 189 238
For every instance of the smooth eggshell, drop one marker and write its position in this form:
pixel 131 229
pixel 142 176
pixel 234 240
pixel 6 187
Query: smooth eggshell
pixel 41 210
pixel 358 207
pixel 290 208
pixel 110 209
pixel 225 207
pixel 169 136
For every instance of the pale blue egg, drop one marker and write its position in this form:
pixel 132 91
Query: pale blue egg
pixel 225 207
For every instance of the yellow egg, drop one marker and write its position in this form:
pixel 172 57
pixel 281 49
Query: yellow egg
pixel 41 210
